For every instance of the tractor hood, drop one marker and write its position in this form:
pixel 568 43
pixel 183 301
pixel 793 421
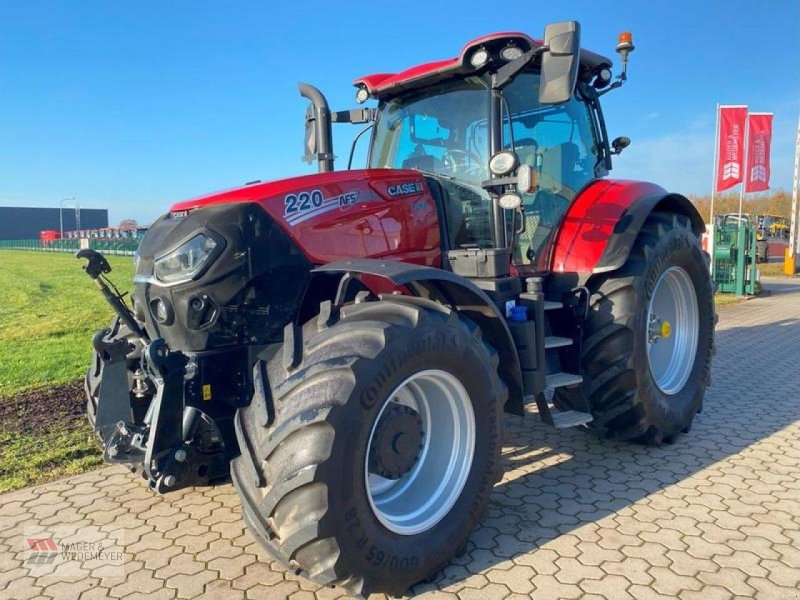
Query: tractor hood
pixel 260 191
pixel 344 214
pixel 229 268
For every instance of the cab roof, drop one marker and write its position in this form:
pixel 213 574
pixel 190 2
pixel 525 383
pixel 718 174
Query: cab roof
pixel 386 85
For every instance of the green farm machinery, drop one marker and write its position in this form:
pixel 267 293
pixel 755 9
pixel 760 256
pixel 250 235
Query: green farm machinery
pixel 736 252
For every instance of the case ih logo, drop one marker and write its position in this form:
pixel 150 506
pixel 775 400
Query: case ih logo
pixel 403 189
pixel 730 170
pixel 43 551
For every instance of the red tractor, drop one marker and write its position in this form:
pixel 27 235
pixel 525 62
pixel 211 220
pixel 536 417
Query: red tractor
pixel 345 344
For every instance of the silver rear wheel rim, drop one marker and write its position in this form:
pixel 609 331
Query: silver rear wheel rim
pixel 672 330
pixel 422 497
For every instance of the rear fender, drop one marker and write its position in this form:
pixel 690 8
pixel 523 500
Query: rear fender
pixel 451 290
pixel 599 228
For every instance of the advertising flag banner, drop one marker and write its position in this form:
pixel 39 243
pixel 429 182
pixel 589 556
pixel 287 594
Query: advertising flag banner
pixel 730 168
pixel 759 139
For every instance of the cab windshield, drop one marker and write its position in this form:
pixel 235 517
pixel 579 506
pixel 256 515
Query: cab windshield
pixel 443 131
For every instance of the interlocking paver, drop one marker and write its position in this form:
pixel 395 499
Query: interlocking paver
pixel 572 571
pixel 733 580
pixel 141 580
pixel 716 515
pixel 22 589
pixel 231 568
pixel 610 586
pixel 550 588
pixel 632 569
pixel 517 579
pixel 190 586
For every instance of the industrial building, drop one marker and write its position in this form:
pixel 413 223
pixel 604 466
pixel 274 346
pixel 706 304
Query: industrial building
pixel 24 223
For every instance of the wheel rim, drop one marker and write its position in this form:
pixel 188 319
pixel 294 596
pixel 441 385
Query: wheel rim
pixel 421 498
pixel 672 319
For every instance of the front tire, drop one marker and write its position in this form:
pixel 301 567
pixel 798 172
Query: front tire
pixel 648 339
pixel 328 482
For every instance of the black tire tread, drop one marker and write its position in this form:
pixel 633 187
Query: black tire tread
pixel 276 472
pixel 606 356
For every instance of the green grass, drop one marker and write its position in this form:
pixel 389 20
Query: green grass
pixel 772 270
pixel 34 458
pixel 49 309
pixel 726 299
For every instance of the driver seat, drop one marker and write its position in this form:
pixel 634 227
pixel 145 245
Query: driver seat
pixel 558 170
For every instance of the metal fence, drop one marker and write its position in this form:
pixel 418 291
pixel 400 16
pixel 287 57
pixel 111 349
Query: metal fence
pixel 124 247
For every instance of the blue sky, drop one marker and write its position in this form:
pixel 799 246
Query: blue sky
pixel 135 105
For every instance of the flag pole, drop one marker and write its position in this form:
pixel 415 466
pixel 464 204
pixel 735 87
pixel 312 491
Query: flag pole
pixel 716 167
pixel 745 166
pixel 794 239
pixel 712 233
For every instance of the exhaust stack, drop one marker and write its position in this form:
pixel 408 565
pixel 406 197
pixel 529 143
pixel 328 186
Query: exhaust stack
pixel 319 142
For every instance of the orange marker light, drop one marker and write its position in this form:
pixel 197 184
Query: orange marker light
pixel 625 44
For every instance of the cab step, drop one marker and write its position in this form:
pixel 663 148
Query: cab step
pixel 570 418
pixel 556 418
pixel 554 341
pixel 551 305
pixel 557 380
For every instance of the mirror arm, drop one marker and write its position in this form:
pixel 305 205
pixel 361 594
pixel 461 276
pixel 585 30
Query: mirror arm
pixel 355 115
pixel 509 71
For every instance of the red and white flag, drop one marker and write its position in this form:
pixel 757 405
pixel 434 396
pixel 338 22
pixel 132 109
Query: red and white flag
pixel 730 167
pixel 759 138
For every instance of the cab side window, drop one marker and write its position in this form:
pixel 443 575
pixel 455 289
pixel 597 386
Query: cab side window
pixel 558 143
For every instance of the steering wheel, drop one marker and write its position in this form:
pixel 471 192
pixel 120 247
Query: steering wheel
pixel 452 163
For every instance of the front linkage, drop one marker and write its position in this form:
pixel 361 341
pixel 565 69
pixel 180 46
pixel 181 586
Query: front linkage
pixel 174 445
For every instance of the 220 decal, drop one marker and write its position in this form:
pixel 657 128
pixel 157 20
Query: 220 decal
pixel 303 201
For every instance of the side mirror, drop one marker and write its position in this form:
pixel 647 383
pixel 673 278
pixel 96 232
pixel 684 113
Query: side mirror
pixel 560 62
pixel 619 144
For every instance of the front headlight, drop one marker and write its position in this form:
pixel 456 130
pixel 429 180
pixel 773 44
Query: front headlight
pixel 183 263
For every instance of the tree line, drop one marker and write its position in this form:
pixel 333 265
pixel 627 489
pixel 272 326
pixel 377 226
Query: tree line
pixel 777 203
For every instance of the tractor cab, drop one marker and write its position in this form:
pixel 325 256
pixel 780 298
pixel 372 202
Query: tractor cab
pixel 506 135
pixel 443 132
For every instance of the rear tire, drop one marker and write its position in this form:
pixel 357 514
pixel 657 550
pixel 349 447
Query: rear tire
pixel 302 475
pixel 633 396
pixel 762 251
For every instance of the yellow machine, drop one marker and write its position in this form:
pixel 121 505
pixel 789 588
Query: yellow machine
pixel 773 226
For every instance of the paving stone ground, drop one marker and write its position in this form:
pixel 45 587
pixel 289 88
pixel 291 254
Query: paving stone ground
pixel 716 515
